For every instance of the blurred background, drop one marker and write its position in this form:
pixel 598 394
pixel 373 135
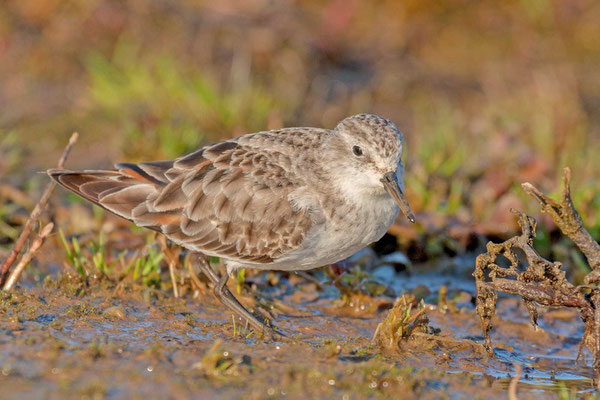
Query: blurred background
pixel 488 95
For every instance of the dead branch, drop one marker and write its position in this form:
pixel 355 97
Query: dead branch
pixel 35 245
pixel 568 220
pixel 172 260
pixel 172 264
pixel 35 214
pixel 512 386
pixel 194 279
pixel 542 282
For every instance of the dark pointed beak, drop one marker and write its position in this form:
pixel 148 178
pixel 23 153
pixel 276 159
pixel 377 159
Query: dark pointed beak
pixel 390 183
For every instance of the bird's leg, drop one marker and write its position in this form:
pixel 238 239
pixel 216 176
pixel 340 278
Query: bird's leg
pixel 227 298
pixel 222 292
pixel 204 265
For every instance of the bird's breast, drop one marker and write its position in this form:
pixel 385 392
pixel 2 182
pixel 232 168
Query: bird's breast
pixel 351 227
pixel 370 218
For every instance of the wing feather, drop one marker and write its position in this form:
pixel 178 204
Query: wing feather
pixel 229 199
pixel 171 197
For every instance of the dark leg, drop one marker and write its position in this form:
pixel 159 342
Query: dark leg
pixel 226 297
pixel 202 262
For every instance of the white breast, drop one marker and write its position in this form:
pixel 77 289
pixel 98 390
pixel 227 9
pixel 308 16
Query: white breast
pixel 356 226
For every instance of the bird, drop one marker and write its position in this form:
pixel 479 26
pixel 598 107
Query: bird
pixel 288 199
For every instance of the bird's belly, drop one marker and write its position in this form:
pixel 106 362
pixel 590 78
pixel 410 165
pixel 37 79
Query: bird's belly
pixel 339 238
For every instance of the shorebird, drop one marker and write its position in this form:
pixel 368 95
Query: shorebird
pixel 287 199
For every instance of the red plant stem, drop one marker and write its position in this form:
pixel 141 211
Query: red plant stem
pixel 37 210
pixel 35 245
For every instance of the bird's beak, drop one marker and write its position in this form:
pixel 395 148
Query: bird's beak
pixel 390 183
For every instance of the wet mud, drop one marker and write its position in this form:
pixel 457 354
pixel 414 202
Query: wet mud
pixel 65 339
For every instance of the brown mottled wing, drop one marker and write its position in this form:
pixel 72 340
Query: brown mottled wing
pixel 228 199
pixel 232 201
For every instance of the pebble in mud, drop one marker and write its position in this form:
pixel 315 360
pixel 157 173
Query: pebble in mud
pixel 114 312
pixel 396 259
pixel 384 273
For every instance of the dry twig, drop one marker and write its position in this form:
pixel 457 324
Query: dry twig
pixel 512 386
pixel 172 264
pixel 35 214
pixel 566 217
pixel 35 245
pixel 195 281
pixel 172 259
pixel 542 282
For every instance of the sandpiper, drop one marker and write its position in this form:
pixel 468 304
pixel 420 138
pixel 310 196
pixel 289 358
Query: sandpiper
pixel 287 199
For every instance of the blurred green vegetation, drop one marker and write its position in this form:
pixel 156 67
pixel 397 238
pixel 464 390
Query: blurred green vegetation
pixel 91 258
pixel 165 109
pixel 487 94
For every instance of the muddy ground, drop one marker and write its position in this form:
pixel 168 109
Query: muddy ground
pixel 67 338
pixel 488 96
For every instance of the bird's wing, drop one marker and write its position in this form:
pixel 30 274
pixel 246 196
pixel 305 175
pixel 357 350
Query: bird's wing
pixel 230 199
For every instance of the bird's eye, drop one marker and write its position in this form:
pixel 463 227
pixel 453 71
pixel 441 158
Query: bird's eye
pixel 357 151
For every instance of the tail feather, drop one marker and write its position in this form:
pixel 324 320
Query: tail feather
pixel 96 182
pixel 154 172
pixel 114 191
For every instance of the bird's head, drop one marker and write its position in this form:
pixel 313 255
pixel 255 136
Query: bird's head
pixel 366 151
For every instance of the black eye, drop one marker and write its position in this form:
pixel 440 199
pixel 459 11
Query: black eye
pixel 357 151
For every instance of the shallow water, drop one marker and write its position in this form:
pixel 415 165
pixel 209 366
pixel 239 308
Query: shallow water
pixel 99 342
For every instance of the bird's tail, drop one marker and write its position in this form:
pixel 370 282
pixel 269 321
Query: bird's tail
pixel 118 191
